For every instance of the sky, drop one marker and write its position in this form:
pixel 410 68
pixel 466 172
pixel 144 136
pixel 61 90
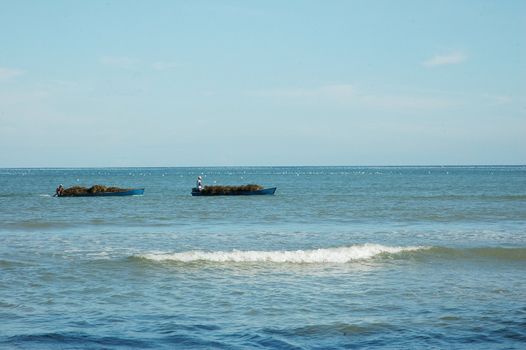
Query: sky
pixel 248 83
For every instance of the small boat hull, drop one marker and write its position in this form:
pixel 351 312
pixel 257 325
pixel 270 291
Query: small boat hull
pixel 265 191
pixel 132 192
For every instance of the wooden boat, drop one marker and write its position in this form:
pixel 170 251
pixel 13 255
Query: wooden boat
pixel 99 191
pixel 128 192
pixel 234 192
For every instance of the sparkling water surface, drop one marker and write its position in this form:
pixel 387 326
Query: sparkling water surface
pixel 338 258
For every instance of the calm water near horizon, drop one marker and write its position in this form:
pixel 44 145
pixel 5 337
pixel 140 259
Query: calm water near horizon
pixel 338 258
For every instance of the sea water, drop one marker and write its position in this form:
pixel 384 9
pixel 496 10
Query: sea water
pixel 338 258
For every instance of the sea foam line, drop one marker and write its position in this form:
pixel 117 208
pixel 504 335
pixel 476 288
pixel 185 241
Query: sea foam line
pixel 327 255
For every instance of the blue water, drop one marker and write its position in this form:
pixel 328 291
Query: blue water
pixel 339 258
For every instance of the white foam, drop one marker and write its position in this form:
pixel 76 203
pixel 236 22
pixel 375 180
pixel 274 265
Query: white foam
pixel 330 255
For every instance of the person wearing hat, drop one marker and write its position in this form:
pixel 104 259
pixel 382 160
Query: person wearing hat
pixel 59 191
pixel 199 183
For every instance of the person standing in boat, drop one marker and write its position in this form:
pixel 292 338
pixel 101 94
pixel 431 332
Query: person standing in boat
pixel 199 184
pixel 59 191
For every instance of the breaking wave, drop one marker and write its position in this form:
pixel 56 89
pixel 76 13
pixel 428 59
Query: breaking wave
pixel 338 255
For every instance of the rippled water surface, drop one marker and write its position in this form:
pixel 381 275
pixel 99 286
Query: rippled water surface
pixel 338 258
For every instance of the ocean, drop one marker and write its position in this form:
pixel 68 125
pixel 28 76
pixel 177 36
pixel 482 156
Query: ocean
pixel 338 258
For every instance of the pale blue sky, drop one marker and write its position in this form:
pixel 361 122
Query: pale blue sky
pixel 191 83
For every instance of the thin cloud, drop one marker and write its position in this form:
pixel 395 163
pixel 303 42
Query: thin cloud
pixel 498 99
pixel 455 57
pixel 8 73
pixel 119 61
pixel 349 95
pixel 335 91
pixel 162 65
pixel 405 102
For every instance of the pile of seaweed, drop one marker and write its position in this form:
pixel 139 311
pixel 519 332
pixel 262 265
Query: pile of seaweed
pixel 217 190
pixel 79 191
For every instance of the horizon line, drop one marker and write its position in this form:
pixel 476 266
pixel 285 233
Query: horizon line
pixel 272 166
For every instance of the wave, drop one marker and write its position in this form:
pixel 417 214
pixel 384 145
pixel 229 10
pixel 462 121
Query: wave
pixel 483 197
pixel 82 340
pixel 12 263
pixel 338 255
pixel 337 328
pixel 171 339
pixel 36 225
pixel 494 253
pixel 463 197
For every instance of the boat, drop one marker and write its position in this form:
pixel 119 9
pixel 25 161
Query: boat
pixel 233 191
pixel 98 191
pixel 128 192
